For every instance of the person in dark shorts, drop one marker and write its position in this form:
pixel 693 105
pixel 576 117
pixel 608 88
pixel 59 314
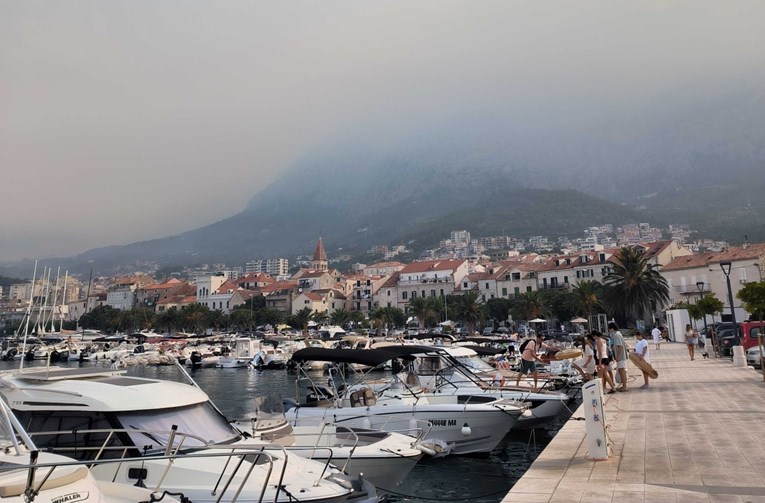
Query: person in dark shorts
pixel 529 359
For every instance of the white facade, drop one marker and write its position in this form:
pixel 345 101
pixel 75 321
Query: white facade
pixel 272 266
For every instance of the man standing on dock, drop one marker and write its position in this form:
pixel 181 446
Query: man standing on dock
pixel 620 354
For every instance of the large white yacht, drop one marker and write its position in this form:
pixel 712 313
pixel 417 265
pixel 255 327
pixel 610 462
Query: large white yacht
pixel 28 475
pixel 174 436
pixel 465 423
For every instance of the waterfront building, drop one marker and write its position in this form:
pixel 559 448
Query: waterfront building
pixel 685 274
pixel 122 293
pixel 429 278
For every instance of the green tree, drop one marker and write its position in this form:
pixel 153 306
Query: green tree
pixel 634 286
pixel 471 309
pixel 425 310
pixel 498 309
pixel 217 319
pixel 530 305
pixel 270 316
pixel 711 305
pixel 301 319
pixel 194 317
pixel 587 298
pixel 169 320
pixel 242 319
pixel 753 297
pixel 340 317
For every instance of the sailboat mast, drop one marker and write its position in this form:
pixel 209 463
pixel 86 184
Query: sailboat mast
pixel 28 314
pixel 63 303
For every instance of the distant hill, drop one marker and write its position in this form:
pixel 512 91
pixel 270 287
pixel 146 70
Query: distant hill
pixel 522 174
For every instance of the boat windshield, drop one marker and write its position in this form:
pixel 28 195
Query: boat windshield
pixel 6 431
pixel 200 420
pixel 475 363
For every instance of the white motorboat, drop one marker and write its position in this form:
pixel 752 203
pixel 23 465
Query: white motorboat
pixel 27 474
pixel 441 370
pixel 174 436
pixel 384 458
pixel 465 423
pixel 241 356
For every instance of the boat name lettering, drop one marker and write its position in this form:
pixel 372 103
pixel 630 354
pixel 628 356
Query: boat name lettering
pixel 443 422
pixel 69 498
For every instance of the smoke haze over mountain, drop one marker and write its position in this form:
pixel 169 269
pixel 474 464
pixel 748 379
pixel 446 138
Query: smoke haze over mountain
pixel 130 120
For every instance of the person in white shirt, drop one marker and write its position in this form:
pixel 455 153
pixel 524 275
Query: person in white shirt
pixel 641 349
pixel 656 335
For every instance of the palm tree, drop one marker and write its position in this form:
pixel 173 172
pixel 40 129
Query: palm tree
pixel 634 286
pixel 241 319
pixel 530 305
pixel 586 297
pixel 302 318
pixel 195 317
pixel 424 310
pixel 340 317
pixel 471 309
pixel 168 320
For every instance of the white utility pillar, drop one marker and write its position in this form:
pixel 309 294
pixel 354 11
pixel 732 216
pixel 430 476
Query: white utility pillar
pixel 595 420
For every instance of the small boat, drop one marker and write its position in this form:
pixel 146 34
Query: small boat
pixel 385 459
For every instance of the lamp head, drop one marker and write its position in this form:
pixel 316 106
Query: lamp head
pixel 725 266
pixel 700 285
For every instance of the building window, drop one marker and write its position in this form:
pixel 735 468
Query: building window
pixel 403 295
pixel 464 284
pixel 528 288
pixel 504 292
pixel 414 294
pixel 442 292
pixel 423 293
pixel 432 293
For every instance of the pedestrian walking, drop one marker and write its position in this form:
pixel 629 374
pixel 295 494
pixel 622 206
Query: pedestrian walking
pixel 691 339
pixel 586 364
pixel 656 335
pixel 641 349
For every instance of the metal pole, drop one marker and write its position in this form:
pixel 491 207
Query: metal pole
pixel 737 341
pixel 700 284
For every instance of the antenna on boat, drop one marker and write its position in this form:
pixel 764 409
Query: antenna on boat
pixel 27 315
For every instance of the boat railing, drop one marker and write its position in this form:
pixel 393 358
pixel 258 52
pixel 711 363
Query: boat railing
pixel 321 437
pixel 233 453
pixel 239 455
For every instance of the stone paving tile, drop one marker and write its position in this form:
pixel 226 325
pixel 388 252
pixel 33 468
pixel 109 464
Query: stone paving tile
pixel 691 435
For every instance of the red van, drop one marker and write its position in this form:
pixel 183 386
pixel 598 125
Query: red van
pixel 749 332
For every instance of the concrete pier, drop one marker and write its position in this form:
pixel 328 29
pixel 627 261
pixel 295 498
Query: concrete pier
pixel 696 435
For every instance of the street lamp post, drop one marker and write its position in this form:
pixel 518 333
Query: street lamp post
pixel 725 266
pixel 700 286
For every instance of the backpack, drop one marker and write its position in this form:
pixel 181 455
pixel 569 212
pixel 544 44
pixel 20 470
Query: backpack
pixel 525 343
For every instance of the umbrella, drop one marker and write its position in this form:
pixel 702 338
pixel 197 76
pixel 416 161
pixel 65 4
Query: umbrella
pixel 537 320
pixel 578 320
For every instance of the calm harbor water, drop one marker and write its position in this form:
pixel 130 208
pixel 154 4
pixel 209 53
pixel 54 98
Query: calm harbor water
pixel 484 479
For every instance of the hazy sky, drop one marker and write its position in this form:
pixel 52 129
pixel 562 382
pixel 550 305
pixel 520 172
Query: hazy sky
pixel 129 120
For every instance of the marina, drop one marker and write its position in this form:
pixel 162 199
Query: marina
pixel 483 479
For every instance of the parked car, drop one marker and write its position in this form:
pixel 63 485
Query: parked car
pixel 753 356
pixel 726 338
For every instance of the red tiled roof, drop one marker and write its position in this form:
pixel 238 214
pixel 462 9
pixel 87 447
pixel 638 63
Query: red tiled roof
pixel 432 265
pixel 750 252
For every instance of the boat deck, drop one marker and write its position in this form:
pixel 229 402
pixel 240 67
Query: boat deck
pixel 696 435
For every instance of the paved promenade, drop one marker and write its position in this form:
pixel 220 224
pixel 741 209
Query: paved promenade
pixel 696 435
